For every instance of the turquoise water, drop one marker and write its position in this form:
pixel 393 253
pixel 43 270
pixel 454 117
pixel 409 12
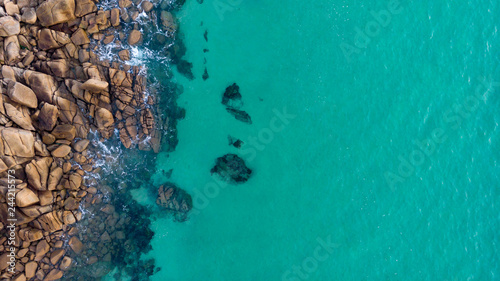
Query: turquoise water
pixel 331 175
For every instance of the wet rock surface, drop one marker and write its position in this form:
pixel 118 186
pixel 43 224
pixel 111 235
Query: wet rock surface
pixel 232 169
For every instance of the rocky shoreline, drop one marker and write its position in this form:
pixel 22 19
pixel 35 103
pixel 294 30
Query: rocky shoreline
pixel 56 94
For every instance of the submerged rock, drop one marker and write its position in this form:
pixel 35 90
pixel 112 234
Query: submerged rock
pixel 235 142
pixel 205 74
pixel 232 97
pixel 175 199
pixel 240 115
pixel 231 168
pixel 99 269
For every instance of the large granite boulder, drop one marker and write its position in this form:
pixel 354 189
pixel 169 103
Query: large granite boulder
pixel 52 12
pixel 231 168
pixel 9 26
pixel 17 142
pixel 22 94
pixel 134 37
pixel 48 117
pixel 84 7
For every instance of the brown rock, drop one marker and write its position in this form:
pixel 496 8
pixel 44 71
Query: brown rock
pixel 81 145
pixel 95 85
pixel 35 211
pixel 12 48
pixel 30 269
pixel 40 275
pixel 168 21
pixel 22 94
pixel 26 197
pixel 80 37
pixel 56 255
pixel 46 197
pixel 105 121
pixel 75 181
pixel 124 3
pixel 51 39
pixel 92 260
pixel 147 6
pixel 29 15
pixel 11 8
pixel 174 199
pixel 65 263
pixel 42 84
pixel 48 222
pixel 4 259
pixel 64 131
pixel 9 26
pixel 68 218
pixel 124 55
pixel 37 172
pixel 83 56
pixel 54 178
pixel 93 28
pixel 61 151
pixel 135 37
pixel 29 235
pixel 84 7
pixel 17 142
pixel 54 274
pixel 41 249
pixel 101 18
pixel 115 17
pixel 75 245
pixel 59 68
pixel 108 39
pixel 48 117
pixel 20 115
pixel 20 277
pixel 56 11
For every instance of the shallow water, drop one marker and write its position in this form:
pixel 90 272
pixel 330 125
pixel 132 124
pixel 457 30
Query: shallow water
pixel 322 177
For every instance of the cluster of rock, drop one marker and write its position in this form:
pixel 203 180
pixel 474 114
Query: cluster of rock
pixel 54 92
pixel 109 237
pixel 232 169
pixel 233 101
pixel 175 200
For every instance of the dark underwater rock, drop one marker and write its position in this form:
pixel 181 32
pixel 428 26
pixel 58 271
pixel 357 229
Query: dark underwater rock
pixel 185 68
pixel 231 168
pixel 205 74
pixel 240 115
pixel 99 269
pixel 175 200
pixel 235 142
pixel 232 97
